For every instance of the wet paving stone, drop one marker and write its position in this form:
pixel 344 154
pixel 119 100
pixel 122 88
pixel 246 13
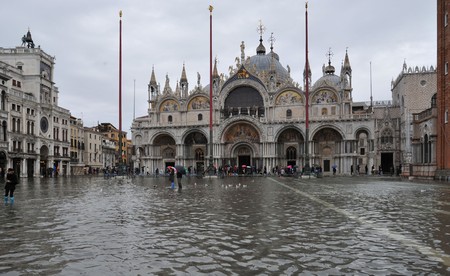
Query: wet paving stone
pixel 230 226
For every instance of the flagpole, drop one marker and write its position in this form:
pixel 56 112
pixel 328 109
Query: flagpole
pixel 210 95
pixel 120 94
pixel 307 166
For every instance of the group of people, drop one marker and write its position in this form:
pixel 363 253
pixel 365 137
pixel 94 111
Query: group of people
pixel 11 181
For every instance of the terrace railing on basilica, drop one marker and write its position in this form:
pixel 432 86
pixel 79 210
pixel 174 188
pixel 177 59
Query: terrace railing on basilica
pixel 255 111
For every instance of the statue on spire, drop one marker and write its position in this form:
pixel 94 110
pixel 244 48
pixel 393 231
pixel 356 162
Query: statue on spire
pixel 27 40
pixel 261 28
pixel 242 52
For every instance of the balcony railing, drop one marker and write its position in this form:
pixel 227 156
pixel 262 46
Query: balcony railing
pixel 426 114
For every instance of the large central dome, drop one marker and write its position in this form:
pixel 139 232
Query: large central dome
pixel 267 63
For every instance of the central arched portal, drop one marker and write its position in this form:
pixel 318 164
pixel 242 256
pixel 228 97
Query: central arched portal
pixel 241 142
pixel 243 155
pixel 165 149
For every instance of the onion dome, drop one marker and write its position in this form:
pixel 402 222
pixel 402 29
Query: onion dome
pixel 262 62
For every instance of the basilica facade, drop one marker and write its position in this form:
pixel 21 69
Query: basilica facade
pixel 258 121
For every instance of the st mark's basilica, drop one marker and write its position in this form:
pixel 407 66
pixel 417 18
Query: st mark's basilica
pixel 258 120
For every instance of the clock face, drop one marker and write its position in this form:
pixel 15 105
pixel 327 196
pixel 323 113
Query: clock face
pixel 44 124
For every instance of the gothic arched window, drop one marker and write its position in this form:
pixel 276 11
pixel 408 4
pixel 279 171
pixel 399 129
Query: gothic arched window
pixel 291 153
pixel 199 154
pixel 386 137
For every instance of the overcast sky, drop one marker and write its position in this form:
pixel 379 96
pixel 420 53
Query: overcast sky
pixel 83 35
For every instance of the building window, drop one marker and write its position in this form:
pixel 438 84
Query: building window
pixel 386 137
pixel 434 101
pixel 291 153
pixel 324 111
pixel 288 114
pixel 446 68
pixel 199 154
pixel 446 116
pixel 170 118
pixel 446 19
pixel 200 117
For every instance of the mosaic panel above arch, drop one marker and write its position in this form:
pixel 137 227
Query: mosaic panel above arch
pixel 324 97
pixel 169 105
pixel 241 132
pixel 289 98
pixel 163 139
pixel 195 138
pixel 327 134
pixel 290 135
pixel 199 102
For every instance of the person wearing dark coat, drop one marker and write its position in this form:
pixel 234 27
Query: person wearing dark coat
pixel 172 178
pixel 179 176
pixel 11 182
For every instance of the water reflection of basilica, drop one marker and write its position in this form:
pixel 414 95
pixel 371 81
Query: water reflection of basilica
pixel 259 119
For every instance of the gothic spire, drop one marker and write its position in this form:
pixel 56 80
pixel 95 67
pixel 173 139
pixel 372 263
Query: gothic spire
pixel 347 66
pixel 167 88
pixel 184 83
pixel 183 75
pixel 152 77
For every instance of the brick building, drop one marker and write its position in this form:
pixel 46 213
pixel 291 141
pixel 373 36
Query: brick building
pixel 443 90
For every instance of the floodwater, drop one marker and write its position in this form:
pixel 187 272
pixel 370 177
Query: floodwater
pixel 230 226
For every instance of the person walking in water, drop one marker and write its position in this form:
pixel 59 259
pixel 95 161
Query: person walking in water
pixel 179 176
pixel 172 177
pixel 11 181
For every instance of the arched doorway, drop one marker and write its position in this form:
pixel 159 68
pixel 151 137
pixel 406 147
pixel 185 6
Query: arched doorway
pixel 363 147
pixel 165 149
pixel 243 158
pixel 43 168
pixel 290 147
pixel 241 141
pixel 195 149
pixel 326 149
